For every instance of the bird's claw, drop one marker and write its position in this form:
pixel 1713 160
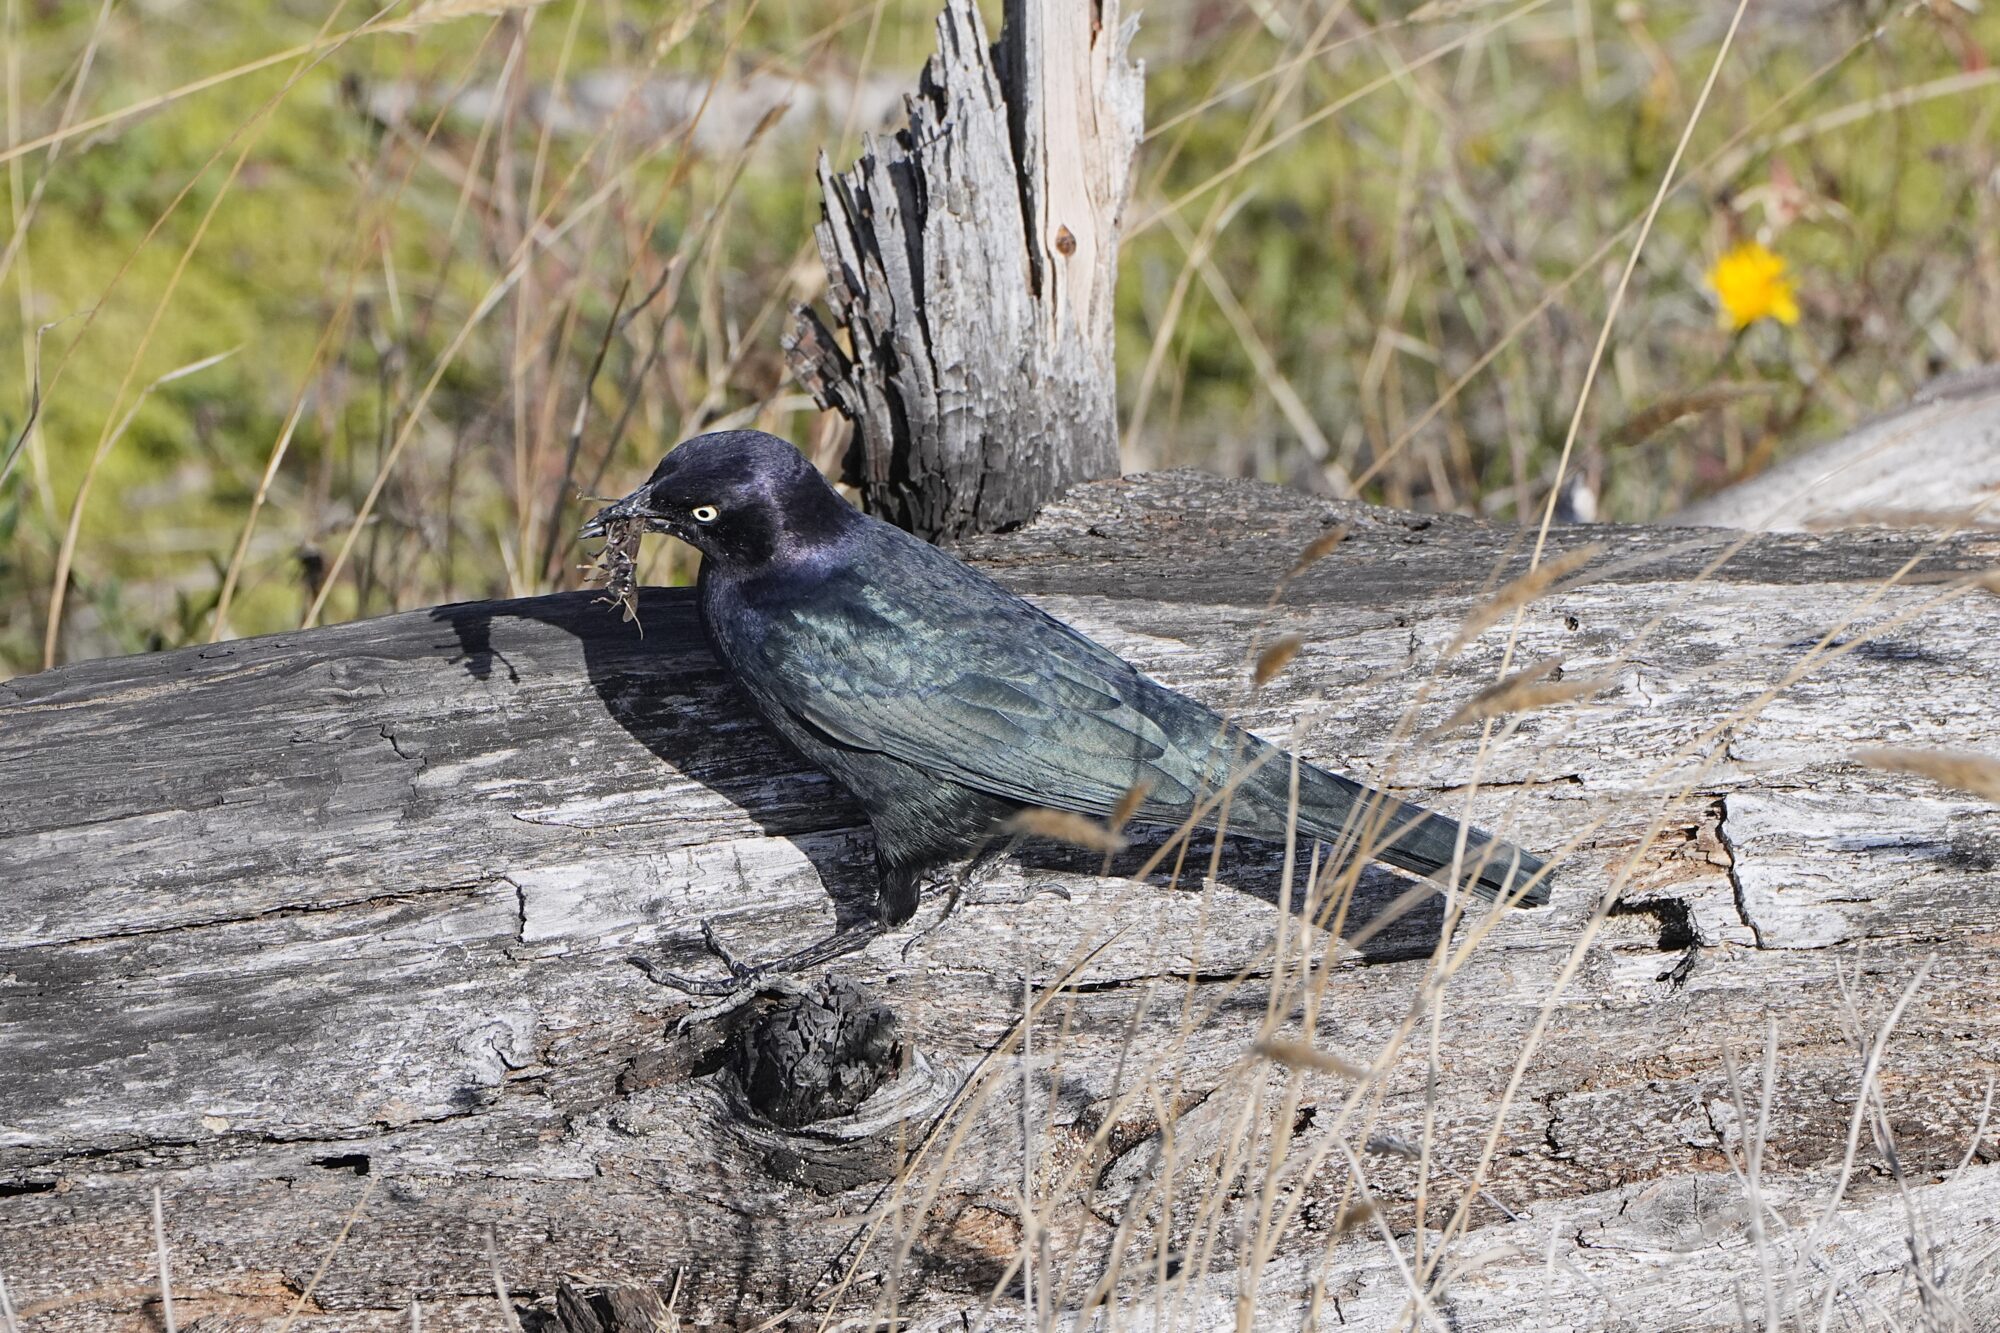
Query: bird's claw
pixel 738 969
pixel 1034 889
pixel 957 885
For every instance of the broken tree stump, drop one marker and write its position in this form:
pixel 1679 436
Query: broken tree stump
pixel 971 262
pixel 333 928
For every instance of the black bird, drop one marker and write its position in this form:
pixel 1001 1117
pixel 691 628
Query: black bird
pixel 947 704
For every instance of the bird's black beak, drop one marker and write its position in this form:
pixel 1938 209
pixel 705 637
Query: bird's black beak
pixel 632 506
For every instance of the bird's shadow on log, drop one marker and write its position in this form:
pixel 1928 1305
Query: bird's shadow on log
pixel 1257 869
pixel 659 681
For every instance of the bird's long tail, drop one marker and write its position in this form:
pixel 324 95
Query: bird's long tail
pixel 1351 817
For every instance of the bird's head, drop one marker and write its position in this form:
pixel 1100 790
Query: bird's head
pixel 740 497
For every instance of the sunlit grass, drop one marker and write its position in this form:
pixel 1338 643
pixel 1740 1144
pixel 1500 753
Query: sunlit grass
pixel 1393 293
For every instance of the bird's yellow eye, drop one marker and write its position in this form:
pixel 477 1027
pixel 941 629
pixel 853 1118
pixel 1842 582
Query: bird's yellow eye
pixel 705 513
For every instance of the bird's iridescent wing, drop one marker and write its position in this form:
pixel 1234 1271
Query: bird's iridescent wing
pixel 966 681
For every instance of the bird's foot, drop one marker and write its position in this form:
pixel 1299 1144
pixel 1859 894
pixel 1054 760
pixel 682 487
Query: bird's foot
pixel 960 884
pixel 746 981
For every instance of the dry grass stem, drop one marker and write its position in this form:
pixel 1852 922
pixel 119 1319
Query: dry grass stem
pixel 1521 591
pixel 1275 659
pixel 1523 692
pixel 501 1297
pixel 1319 549
pixel 107 1295
pixel 166 1277
pixel 1976 774
pixel 1651 420
pixel 326 1261
pixel 113 433
pixel 1300 1055
pixel 1063 826
pixel 1618 292
pixel 1948 520
pixel 1128 804
pixel 433 12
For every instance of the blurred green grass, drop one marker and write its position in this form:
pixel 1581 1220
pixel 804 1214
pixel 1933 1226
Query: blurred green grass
pixel 1353 273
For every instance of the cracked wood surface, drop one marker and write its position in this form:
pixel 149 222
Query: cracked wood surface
pixel 337 924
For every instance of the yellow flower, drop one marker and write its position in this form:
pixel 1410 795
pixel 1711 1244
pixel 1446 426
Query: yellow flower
pixel 1750 283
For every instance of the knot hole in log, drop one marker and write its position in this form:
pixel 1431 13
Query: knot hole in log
pixel 803 1055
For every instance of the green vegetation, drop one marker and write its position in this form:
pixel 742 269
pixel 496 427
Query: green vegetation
pixel 374 240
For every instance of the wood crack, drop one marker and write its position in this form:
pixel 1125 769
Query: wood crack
pixel 429 893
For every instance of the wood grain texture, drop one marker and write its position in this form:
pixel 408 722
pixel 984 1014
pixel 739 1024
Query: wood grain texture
pixel 1932 462
pixel 337 924
pixel 971 262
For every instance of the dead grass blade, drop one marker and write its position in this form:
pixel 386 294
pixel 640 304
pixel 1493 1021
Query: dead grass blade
pixel 66 554
pixel 34 414
pixel 1472 37
pixel 1320 548
pixel 1128 804
pixel 1624 285
pixel 1961 770
pixel 1523 692
pixel 305 1292
pixel 507 1319
pixel 1275 659
pixel 434 12
pixel 1355 1216
pixel 1521 591
pixel 1651 420
pixel 1300 1055
pixel 1894 100
pixel 119 1293
pixel 1950 520
pixel 166 1279
pixel 1065 826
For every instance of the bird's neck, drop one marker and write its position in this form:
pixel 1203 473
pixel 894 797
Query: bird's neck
pixel 816 520
pixel 807 533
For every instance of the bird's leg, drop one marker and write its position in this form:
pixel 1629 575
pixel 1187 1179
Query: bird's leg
pixel 963 879
pixel 956 883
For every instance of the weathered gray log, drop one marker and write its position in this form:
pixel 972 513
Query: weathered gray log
pixel 972 263
pixel 335 926
pixel 1933 462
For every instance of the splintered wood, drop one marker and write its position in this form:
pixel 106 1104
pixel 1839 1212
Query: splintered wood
pixel 971 262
